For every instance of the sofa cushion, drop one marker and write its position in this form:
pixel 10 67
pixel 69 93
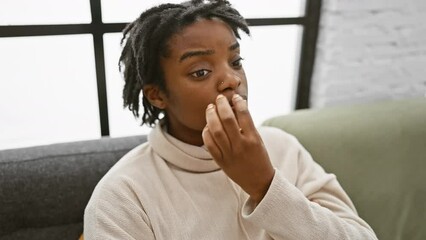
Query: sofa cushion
pixel 378 152
pixel 44 189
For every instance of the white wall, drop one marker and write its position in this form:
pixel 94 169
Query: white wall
pixel 370 50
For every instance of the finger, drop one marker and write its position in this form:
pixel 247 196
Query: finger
pixel 243 115
pixel 216 130
pixel 227 118
pixel 211 145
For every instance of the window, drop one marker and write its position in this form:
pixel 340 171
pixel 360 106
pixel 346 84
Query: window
pixel 44 12
pixel 114 11
pixel 61 83
pixel 48 90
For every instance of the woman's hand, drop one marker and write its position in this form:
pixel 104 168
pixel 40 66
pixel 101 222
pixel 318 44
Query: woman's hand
pixel 235 144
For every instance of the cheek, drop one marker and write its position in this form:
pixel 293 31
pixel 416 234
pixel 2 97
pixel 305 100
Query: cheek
pixel 198 103
pixel 243 88
pixel 192 113
pixel 191 105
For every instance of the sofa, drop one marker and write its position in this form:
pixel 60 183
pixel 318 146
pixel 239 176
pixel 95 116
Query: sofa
pixel 44 189
pixel 377 151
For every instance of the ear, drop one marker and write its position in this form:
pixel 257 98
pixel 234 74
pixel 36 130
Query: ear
pixel 155 96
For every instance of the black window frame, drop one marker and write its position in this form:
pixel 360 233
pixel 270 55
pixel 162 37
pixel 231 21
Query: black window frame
pixel 309 22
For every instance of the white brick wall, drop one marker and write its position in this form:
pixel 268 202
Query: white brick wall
pixel 370 50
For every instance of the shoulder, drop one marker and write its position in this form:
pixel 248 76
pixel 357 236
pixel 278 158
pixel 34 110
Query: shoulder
pixel 116 201
pixel 122 179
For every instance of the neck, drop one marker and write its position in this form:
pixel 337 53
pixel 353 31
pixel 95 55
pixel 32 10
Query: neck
pixel 186 135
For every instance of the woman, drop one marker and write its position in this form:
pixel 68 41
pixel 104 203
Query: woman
pixel 206 172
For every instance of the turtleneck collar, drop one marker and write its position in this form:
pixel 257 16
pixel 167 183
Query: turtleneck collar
pixel 185 156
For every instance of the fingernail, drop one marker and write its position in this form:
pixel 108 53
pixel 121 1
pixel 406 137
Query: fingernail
pixel 220 96
pixel 210 106
pixel 237 97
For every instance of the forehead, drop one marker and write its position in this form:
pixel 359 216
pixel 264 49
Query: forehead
pixel 202 34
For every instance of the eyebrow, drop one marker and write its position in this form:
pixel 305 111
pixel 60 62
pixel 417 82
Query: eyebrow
pixel 234 46
pixel 195 53
pixel 204 53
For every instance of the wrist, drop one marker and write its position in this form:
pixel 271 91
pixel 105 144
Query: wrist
pixel 258 195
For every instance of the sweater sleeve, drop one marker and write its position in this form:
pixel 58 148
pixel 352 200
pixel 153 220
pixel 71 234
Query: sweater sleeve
pixel 315 207
pixel 112 214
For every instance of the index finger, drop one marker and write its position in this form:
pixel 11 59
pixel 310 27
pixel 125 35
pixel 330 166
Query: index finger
pixel 242 113
pixel 227 117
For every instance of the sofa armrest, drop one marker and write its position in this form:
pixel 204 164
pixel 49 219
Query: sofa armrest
pixel 378 152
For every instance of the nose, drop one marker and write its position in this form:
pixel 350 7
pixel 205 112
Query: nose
pixel 230 80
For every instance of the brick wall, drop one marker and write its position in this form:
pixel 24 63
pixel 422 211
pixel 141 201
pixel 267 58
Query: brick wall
pixel 370 50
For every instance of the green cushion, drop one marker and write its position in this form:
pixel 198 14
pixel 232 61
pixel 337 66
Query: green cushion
pixel 378 152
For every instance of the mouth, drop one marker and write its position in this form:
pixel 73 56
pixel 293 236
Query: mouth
pixel 232 105
pixel 244 97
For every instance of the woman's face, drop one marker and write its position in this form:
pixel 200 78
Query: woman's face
pixel 203 62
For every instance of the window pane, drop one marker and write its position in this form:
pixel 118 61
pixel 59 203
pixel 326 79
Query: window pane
pixel 270 8
pixel 48 90
pixel 270 61
pixel 271 58
pixel 121 121
pixel 129 10
pixel 30 12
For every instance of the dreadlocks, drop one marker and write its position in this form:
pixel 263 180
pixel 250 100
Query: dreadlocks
pixel 146 42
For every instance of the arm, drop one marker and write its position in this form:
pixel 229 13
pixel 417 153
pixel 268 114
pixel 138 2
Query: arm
pixel 316 208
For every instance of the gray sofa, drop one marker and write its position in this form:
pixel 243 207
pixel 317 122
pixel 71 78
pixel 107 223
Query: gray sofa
pixel 44 189
pixel 377 151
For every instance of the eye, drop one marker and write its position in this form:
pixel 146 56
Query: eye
pixel 238 63
pixel 200 73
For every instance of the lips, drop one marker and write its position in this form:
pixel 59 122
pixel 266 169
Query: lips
pixel 243 96
pixel 231 103
pixel 232 106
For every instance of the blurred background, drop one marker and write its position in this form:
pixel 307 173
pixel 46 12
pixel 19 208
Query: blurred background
pixel 59 78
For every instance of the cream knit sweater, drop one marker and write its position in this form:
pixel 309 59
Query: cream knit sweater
pixel 166 189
